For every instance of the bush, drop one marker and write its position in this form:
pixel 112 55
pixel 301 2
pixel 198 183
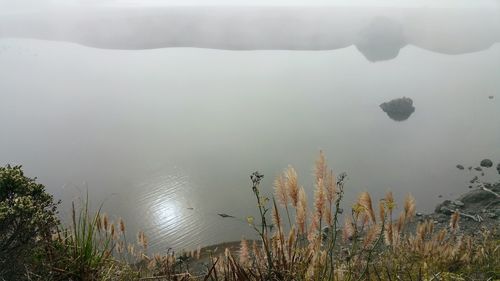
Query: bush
pixel 27 217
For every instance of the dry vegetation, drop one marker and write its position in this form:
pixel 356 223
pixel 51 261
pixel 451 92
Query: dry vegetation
pixel 296 241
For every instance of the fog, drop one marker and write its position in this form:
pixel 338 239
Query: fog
pixel 161 111
pixel 377 32
pixel 27 4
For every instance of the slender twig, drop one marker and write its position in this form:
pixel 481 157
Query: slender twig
pixel 376 272
pixel 388 273
pixel 370 252
pixel 256 177
pixel 435 276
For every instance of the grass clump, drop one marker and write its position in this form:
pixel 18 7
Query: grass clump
pixel 83 250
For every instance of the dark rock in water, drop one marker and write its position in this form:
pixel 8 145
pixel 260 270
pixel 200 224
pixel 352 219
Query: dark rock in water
pixel 225 215
pixel 473 180
pixel 498 168
pixel 490 97
pixel 398 109
pixel 478 169
pixel 486 163
pixel 460 167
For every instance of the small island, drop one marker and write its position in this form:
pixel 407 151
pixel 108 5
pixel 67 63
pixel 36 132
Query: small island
pixel 398 109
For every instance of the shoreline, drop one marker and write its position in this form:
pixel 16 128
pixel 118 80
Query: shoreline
pixel 479 210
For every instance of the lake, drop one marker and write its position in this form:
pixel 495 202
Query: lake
pixel 167 138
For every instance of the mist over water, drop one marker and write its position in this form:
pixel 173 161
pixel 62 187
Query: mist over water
pixel 165 119
pixel 378 33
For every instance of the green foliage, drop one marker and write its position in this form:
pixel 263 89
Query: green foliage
pixel 81 251
pixel 27 216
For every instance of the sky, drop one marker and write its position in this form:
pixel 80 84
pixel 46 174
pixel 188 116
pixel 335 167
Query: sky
pixel 35 4
pixel 306 2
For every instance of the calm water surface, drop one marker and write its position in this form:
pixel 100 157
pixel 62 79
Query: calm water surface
pixel 167 138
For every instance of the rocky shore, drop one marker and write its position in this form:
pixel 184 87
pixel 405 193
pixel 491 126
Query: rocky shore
pixel 479 209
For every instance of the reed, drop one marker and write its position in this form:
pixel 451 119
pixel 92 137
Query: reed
pixel 317 243
pixel 81 251
pixel 308 253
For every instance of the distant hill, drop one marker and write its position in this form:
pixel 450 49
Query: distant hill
pixel 379 33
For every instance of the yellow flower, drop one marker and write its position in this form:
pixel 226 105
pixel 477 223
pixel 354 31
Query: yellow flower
pixel 250 220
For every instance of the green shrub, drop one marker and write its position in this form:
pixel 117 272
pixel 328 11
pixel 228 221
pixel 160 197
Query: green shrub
pixel 27 217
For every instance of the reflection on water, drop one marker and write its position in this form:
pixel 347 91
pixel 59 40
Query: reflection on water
pixel 163 200
pixel 169 208
pixel 170 136
pixel 381 39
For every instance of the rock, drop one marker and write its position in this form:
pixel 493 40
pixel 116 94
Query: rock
pixel 498 168
pixel 478 169
pixel 474 179
pixel 443 208
pixel 478 208
pixel 398 109
pixel 490 97
pixel 491 215
pixel 225 215
pixel 487 163
pixel 476 196
pixel 419 214
pixel 460 167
